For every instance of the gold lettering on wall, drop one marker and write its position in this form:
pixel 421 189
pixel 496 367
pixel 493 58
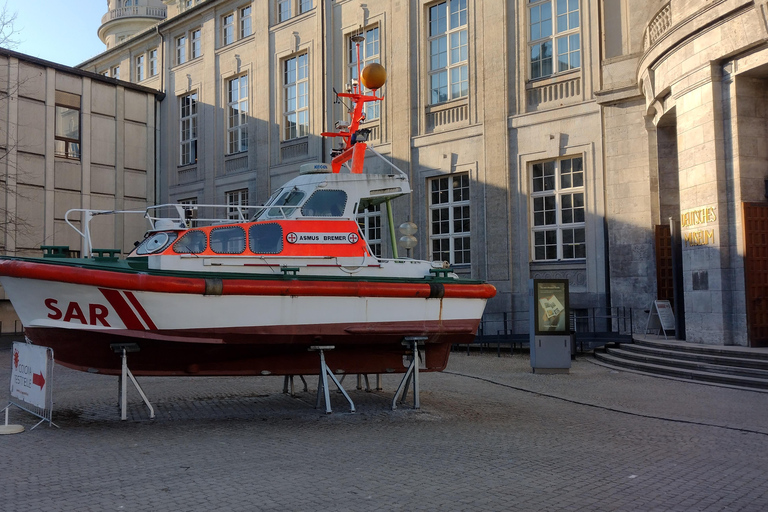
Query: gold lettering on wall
pixel 698 216
pixel 694 226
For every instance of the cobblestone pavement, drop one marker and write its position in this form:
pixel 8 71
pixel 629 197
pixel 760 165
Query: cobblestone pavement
pixel 490 436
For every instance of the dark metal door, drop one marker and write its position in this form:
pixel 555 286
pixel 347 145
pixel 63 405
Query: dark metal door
pixel 756 272
pixel 665 282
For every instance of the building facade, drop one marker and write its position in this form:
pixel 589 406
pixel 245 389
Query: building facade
pixel 70 139
pixel 543 138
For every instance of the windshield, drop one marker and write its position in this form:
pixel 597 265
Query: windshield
pixel 291 197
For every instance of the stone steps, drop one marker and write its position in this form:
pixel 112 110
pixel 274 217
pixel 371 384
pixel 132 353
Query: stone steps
pixel 715 365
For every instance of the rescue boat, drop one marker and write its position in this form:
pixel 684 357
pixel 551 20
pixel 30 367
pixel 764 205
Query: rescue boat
pixel 223 290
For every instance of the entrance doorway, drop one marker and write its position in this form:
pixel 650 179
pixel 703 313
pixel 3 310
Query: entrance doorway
pixel 756 272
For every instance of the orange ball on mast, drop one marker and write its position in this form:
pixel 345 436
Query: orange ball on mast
pixel 373 76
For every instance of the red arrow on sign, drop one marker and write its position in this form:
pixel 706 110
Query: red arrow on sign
pixel 38 380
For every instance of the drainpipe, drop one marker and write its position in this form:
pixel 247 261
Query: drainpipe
pixel 160 98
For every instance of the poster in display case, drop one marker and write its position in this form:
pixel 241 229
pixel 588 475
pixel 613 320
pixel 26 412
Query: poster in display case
pixel 552 311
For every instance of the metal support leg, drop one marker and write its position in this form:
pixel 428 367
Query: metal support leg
pixel 378 382
pixel 322 382
pixel 411 374
pixel 125 374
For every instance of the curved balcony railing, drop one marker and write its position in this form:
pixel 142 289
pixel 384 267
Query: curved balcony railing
pixel 659 24
pixel 139 11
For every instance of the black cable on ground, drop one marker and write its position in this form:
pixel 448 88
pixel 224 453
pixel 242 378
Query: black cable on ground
pixel 606 408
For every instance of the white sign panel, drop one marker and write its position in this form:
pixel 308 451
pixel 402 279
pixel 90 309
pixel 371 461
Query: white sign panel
pixel 29 368
pixel 322 238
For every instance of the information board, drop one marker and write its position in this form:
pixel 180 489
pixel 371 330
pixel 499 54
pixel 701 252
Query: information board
pixel 29 374
pixel 661 318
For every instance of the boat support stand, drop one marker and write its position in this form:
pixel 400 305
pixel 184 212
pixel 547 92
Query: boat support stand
pixel 412 374
pixel 322 382
pixel 288 382
pixel 123 349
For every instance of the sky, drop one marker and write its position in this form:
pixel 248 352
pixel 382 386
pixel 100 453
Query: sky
pixel 61 31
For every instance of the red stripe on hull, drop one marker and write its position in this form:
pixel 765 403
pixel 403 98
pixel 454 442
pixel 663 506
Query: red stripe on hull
pixel 245 353
pixel 123 310
pixel 186 285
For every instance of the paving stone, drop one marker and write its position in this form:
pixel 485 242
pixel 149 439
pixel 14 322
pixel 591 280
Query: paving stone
pixel 490 436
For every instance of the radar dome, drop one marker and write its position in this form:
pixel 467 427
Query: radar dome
pixel 373 76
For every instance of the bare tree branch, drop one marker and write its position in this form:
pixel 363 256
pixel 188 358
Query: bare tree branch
pixel 8 30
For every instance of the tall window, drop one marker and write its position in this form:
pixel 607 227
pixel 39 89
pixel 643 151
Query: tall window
pixel 245 22
pixel 237 198
pixel 188 128
pixel 553 32
pixel 181 50
pixel 296 94
pixel 153 62
pixel 139 68
pixel 67 136
pixel 558 212
pixel 449 219
pixel 237 114
pixel 283 10
pixel 369 53
pixel 116 72
pixel 448 48
pixel 197 43
pixel 305 5
pixel 369 220
pixel 227 29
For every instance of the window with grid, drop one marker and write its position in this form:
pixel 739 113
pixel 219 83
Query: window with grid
pixel 67 132
pixel 196 47
pixel 190 204
pixel 188 129
pixel 181 50
pixel 558 210
pixel 296 97
pixel 237 114
pixel 369 53
pixel 283 10
pixel 449 226
pixel 305 5
pixel 153 62
pixel 554 40
pixel 447 51
pixel 228 29
pixel 139 68
pixel 369 220
pixel 237 198
pixel 245 22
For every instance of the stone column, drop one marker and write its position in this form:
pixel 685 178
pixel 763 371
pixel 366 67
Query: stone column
pixel 704 215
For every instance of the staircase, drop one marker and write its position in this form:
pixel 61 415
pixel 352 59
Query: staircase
pixel 730 366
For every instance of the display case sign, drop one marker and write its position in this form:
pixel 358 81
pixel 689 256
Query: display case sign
pixel 551 302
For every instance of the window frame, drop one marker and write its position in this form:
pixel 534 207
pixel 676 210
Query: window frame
pixel 300 127
pixel 153 62
pixel 244 18
pixel 458 242
pixel 241 197
pixel 181 49
pixel 228 28
pixel 139 61
pixel 369 220
pixel 191 141
pixel 455 89
pixel 553 37
pixel 72 146
pixel 195 43
pixel 237 134
pixel 558 206
pixel 372 109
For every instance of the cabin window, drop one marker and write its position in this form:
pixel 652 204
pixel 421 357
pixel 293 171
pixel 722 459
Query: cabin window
pixel 290 197
pixel 229 240
pixel 155 243
pixel 266 238
pixel 193 242
pixel 325 203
